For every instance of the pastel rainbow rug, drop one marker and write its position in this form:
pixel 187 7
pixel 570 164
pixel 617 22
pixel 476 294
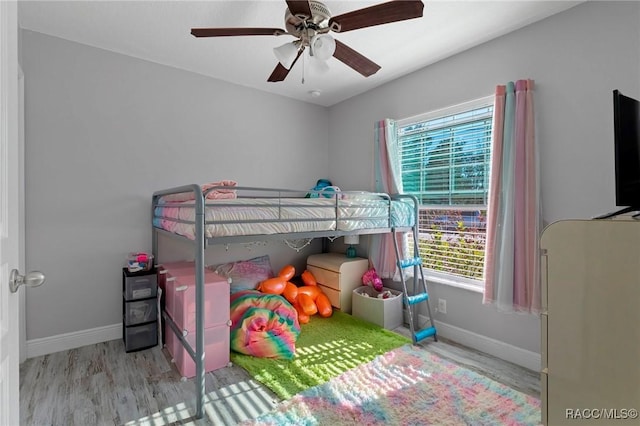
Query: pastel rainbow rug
pixel 407 386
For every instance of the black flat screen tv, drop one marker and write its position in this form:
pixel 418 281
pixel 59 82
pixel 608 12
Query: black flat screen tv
pixel 626 132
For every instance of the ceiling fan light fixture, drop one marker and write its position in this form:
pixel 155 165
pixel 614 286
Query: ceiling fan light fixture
pixel 318 66
pixel 286 54
pixel 323 47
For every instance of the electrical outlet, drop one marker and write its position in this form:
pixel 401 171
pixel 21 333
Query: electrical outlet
pixel 442 306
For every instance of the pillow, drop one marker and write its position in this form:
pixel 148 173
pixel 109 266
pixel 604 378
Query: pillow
pixel 246 274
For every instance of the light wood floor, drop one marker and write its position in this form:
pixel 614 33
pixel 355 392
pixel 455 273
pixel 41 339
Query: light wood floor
pixel 102 385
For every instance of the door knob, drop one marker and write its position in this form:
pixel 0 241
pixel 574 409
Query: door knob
pixel 32 279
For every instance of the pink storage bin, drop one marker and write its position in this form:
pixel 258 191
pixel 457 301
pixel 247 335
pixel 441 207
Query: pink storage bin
pixel 180 300
pixel 185 267
pixel 172 286
pixel 216 349
pixel 178 272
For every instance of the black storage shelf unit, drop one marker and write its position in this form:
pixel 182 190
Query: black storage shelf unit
pixel 139 309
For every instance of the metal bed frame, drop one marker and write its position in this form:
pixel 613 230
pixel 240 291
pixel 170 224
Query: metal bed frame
pixel 201 242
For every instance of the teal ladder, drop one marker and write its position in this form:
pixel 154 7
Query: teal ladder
pixel 419 292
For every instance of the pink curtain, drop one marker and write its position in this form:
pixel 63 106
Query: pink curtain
pixel 387 179
pixel 511 270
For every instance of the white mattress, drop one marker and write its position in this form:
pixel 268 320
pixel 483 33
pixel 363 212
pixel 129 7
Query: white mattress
pixel 260 216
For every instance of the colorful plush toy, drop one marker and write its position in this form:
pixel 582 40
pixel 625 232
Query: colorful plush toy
pixel 307 299
pixel 372 279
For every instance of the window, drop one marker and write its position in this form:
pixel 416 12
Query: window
pixel 445 163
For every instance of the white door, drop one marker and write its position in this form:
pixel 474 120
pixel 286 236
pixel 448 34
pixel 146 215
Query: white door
pixel 9 217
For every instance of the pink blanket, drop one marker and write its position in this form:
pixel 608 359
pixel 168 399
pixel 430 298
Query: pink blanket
pixel 215 194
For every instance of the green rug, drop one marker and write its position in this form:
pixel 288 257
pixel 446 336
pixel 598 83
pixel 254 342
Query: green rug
pixel 326 348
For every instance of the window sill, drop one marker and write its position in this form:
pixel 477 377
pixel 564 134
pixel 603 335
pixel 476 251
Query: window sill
pixel 454 282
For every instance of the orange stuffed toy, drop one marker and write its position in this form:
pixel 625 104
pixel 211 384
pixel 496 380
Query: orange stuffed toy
pixel 307 299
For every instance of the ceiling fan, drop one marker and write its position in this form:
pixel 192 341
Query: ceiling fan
pixel 310 21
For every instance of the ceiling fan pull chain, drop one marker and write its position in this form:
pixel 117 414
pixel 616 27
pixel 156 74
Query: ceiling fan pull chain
pixel 303 68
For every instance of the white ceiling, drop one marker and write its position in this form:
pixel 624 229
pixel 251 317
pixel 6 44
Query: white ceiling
pixel 159 31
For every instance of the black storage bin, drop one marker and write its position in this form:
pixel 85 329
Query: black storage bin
pixel 139 309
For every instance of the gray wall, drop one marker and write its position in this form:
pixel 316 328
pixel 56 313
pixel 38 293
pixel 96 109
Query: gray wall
pixel 103 131
pixel 576 58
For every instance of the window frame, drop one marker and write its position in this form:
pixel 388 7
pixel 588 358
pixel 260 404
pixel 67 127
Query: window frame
pixel 430 274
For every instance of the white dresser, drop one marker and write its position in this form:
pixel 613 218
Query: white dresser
pixel 338 276
pixel 590 323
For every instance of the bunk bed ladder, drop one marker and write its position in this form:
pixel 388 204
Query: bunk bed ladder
pixel 419 292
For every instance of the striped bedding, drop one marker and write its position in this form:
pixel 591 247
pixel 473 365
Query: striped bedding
pixel 263 216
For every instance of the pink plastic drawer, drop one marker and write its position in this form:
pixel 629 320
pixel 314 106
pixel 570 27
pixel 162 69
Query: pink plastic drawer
pixel 216 350
pixel 184 267
pixel 180 301
pixel 180 268
pixel 171 283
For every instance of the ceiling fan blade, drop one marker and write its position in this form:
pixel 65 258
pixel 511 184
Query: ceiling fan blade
pixel 379 14
pixel 355 60
pixel 299 8
pixel 280 72
pixel 226 32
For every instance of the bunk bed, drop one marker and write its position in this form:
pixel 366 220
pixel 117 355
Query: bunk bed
pixel 210 215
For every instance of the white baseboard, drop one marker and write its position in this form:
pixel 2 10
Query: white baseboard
pixel 66 341
pixel 497 348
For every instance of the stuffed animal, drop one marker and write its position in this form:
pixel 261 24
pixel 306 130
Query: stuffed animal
pixel 372 279
pixel 323 187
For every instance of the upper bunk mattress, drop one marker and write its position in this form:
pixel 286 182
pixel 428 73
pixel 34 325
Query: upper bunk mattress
pixel 265 216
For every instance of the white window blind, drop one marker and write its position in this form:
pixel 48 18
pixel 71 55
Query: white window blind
pixel 445 158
